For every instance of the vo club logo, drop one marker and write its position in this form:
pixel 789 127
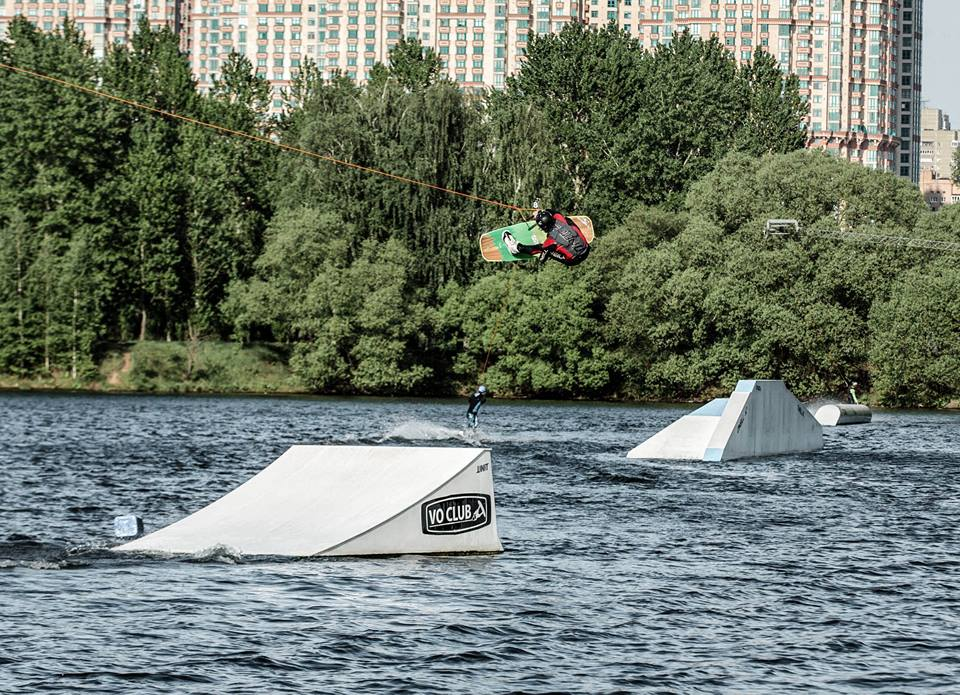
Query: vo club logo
pixel 455 514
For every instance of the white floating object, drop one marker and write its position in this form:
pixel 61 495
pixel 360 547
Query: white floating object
pixel 127 526
pixel 348 500
pixel 760 418
pixel 843 414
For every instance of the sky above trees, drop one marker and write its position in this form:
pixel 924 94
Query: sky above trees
pixel 940 75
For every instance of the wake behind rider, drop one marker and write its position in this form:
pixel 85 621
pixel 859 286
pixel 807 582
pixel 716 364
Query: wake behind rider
pixel 564 243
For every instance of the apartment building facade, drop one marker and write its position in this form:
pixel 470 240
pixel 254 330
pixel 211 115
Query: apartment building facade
pixel 480 42
pixel 937 191
pixel 103 22
pixel 938 143
pixel 858 61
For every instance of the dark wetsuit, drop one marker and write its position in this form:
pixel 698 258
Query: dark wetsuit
pixel 565 242
pixel 473 409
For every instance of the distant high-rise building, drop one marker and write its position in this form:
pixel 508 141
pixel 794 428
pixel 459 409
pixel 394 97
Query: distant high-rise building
pixel 480 42
pixel 938 142
pixel 858 61
pixel 103 22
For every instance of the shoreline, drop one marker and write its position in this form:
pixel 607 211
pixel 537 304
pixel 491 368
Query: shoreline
pixel 7 385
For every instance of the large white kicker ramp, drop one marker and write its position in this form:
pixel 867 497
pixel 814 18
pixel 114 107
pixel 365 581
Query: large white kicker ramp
pixel 348 500
pixel 760 418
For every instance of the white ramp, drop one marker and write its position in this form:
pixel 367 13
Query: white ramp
pixel 348 500
pixel 760 418
pixel 687 438
pixel 843 414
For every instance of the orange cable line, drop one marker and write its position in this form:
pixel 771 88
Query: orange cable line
pixel 257 138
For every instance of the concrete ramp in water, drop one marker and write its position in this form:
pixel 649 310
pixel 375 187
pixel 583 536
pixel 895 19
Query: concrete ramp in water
pixel 348 500
pixel 759 418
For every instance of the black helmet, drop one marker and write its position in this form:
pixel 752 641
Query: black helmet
pixel 544 219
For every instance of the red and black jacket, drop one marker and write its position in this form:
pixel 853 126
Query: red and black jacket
pixel 565 242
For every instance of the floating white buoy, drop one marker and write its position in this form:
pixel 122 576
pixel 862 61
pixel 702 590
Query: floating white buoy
pixel 127 526
pixel 843 414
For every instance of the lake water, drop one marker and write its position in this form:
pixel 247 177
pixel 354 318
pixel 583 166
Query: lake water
pixel 837 571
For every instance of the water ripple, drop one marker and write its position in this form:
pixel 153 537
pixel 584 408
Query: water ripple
pixel 835 572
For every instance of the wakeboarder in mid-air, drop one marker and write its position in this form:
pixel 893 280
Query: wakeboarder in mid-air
pixel 565 241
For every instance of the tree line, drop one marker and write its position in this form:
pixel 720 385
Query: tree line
pixel 120 225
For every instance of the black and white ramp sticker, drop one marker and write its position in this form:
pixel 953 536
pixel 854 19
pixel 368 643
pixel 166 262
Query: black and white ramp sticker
pixel 455 513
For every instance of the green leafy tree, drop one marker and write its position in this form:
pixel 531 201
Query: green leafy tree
pixel 654 321
pixel 587 85
pixel 808 186
pixel 514 159
pixel 305 86
pixel 296 247
pixel 693 108
pixel 426 135
pixel 16 343
pixel 956 166
pixel 775 121
pixel 414 67
pixel 356 326
pixel 718 302
pixel 155 193
pixel 151 191
pixel 227 203
pixel 366 328
pixel 80 298
pixel 506 330
pixel 632 126
pixel 325 119
pixel 916 338
pixel 55 159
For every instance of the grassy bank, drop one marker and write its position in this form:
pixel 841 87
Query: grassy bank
pixel 198 367
pixel 176 367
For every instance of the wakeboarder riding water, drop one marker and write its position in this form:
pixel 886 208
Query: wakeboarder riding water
pixel 478 398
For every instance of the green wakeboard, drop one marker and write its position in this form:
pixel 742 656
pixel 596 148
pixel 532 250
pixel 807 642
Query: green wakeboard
pixel 494 250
